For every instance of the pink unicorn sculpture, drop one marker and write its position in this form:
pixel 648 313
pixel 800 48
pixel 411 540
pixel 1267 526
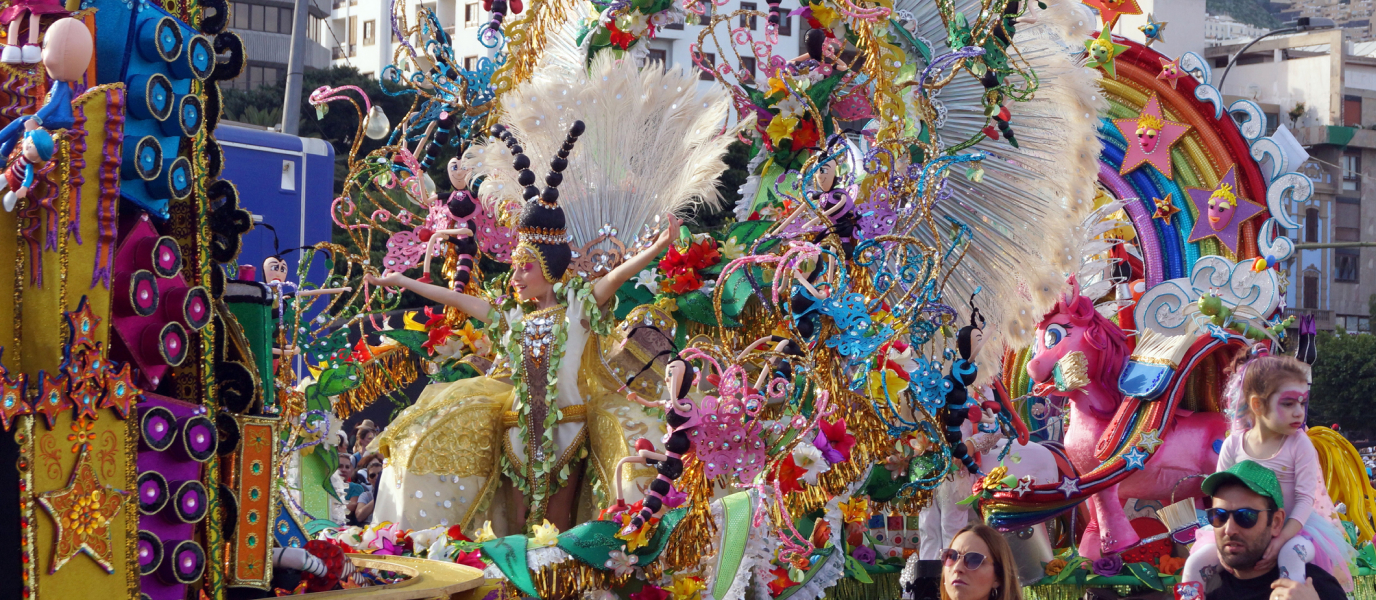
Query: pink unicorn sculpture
pixel 1188 440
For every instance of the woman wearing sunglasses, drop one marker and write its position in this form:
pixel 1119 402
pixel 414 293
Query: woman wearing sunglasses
pixel 979 565
pixel 1268 400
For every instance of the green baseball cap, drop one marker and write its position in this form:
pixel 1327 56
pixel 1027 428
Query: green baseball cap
pixel 1257 478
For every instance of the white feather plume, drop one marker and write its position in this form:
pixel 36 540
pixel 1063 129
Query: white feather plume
pixel 653 145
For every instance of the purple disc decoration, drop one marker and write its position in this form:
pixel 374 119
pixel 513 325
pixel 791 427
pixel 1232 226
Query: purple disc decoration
pixel 152 492
pixel 149 552
pixel 183 563
pixel 199 438
pixel 158 428
pixel 168 340
pixel 189 502
pixel 137 294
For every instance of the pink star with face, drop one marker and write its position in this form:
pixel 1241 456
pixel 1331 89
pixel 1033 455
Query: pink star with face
pixel 1150 137
pixel 1170 71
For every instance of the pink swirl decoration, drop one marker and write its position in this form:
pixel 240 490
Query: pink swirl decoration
pixel 495 240
pixel 405 250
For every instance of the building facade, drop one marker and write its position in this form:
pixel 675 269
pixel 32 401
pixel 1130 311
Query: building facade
pixel 1316 85
pixel 265 26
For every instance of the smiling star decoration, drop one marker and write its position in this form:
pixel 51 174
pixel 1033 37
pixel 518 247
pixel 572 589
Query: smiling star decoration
pixel 1154 31
pixel 1222 211
pixel 1102 51
pixel 1170 71
pixel 83 513
pixel 1109 10
pixel 1149 137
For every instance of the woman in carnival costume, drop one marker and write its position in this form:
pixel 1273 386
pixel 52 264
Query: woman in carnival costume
pixel 547 325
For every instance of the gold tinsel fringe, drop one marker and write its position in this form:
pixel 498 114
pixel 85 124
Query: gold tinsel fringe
pixel 569 579
pixel 390 370
pixel 694 535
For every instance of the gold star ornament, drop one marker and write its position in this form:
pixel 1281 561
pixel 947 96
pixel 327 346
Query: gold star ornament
pixel 83 512
pixel 1164 209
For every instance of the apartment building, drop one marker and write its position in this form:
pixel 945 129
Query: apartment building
pixel 265 26
pixel 360 32
pixel 1323 87
pixel 1223 29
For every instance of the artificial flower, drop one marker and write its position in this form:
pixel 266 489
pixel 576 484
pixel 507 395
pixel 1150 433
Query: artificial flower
pixel 824 14
pixel 682 283
pixel 640 536
pixel 788 475
pixel 455 533
pixel 675 498
pixel 781 128
pixel 471 559
pixel 897 464
pixel 362 353
pixel 600 595
pixel 469 335
pixel 994 480
pixel 1054 567
pixel 613 512
pixel 1108 566
pixel 409 322
pixel 776 86
pixel 886 378
pixel 834 442
pixel 864 554
pixel 686 587
pixel 650 592
pixel 546 535
pixel 856 509
pixel 821 533
pixel 648 279
pixel 619 38
pixel 806 136
pixel 620 562
pixel 1171 565
pixel 424 537
pixel 781 581
pixel 438 336
pixel 791 106
pixel 731 249
pixel 810 460
pixel 485 534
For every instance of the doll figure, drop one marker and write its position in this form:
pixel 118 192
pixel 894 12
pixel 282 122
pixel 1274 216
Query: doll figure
pixel 14 18
pixel 67 51
pixel 34 152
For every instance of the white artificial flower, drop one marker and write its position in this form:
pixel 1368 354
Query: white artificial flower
pixel 732 250
pixel 810 459
pixel 648 279
pixel 791 106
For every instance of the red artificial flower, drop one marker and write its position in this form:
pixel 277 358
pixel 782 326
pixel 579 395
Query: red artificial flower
pixel 613 512
pixel 821 533
pixel 433 319
pixel 650 592
pixel 438 336
pixel 619 38
pixel 456 533
pixel 805 136
pixel 781 581
pixel 471 559
pixel 788 475
pixel 361 351
pixel 840 440
pixel 991 132
pixel 684 282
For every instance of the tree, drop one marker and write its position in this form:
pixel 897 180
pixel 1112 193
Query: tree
pixel 1344 389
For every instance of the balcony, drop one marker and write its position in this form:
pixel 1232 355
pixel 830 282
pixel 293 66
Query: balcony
pixel 1323 319
pixel 345 51
pixel 1335 135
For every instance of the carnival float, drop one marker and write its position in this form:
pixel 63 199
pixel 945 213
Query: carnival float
pixel 989 260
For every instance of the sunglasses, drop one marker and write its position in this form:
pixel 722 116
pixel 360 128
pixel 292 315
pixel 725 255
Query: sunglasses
pixel 973 560
pixel 1245 518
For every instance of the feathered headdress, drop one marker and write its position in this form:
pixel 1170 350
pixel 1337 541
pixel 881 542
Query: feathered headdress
pixel 653 143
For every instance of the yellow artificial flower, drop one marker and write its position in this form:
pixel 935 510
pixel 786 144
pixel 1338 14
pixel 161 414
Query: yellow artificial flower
pixel 781 128
pixel 776 86
pixel 546 535
pixel 685 587
pixel 409 319
pixel 485 534
pixel 878 379
pixel 824 14
pixel 469 335
pixel 732 250
pixel 855 510
pixel 1055 566
pixel 994 480
pixel 637 538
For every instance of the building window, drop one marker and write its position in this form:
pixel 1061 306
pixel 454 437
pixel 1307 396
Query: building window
pixel 471 15
pixel 785 22
pixel 369 32
pixel 1352 111
pixel 747 69
pixel 313 29
pixel 1352 171
pixel 748 21
pixel 254 17
pixel 1353 323
pixel 710 60
pixel 705 18
pixel 1272 123
pixel 1311 292
pixel 470 63
pixel 1347 220
pixel 1345 262
pixel 658 55
pixel 255 77
pixel 353 37
pixel 1311 225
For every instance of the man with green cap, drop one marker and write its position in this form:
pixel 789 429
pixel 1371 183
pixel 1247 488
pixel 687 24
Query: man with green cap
pixel 1248 511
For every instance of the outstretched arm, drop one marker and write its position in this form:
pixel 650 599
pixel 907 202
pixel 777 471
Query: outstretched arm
pixel 606 287
pixel 471 305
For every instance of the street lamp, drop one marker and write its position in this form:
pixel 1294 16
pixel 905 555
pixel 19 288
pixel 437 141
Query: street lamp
pixel 1301 25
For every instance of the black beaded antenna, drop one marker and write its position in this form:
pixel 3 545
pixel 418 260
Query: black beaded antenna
pixel 542 222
